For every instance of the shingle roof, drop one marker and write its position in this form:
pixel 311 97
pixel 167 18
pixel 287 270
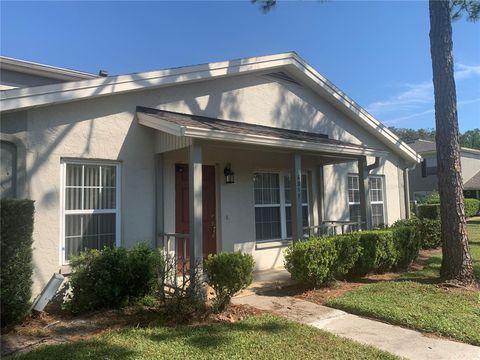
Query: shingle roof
pixel 473 183
pixel 241 127
pixel 427 146
pixel 422 146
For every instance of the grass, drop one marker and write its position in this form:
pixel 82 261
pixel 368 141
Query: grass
pixel 424 307
pixel 259 337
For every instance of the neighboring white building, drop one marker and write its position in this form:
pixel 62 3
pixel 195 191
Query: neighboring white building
pixel 424 180
pixel 129 158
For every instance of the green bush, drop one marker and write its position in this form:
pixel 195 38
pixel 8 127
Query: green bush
pixel 408 245
pixel 112 277
pixel 429 211
pixel 379 252
pixel 472 207
pixel 348 251
pixel 430 233
pixel 227 274
pixel 311 261
pixel 432 198
pixel 16 225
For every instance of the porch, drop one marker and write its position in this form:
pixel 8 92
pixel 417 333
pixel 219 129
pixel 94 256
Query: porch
pixel 233 186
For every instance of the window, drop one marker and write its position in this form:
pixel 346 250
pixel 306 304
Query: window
pixel 91 207
pixel 376 199
pixel 273 217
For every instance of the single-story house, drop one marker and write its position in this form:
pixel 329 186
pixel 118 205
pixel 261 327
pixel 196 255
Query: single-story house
pixel 424 180
pixel 236 155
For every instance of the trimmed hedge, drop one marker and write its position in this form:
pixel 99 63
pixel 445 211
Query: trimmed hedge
pixel 379 252
pixel 408 244
pixel 472 207
pixel 428 211
pixel 311 261
pixel 348 251
pixel 112 277
pixel 319 260
pixel 428 231
pixel 228 273
pixel 16 224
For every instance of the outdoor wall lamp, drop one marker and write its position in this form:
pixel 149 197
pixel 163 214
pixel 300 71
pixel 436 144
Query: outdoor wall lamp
pixel 229 174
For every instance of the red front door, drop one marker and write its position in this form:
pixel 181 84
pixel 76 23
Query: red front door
pixel 209 208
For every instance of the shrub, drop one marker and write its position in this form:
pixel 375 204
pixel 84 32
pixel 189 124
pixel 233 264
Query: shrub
pixel 110 278
pixel 429 211
pixel 429 232
pixel 472 207
pixel 311 261
pixel 348 251
pixel 228 273
pixel 16 225
pixel 408 245
pixel 432 198
pixel 379 252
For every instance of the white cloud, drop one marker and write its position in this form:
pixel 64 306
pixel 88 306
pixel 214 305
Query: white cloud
pixel 466 71
pixel 409 99
pixel 417 99
pixel 429 111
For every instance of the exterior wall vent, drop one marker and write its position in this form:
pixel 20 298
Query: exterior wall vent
pixel 283 77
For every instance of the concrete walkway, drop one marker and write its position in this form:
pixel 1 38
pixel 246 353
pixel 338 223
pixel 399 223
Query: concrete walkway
pixel 394 339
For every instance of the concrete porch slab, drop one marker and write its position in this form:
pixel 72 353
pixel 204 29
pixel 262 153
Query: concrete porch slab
pixel 267 280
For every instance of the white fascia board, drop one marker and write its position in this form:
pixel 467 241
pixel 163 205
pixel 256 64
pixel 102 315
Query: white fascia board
pixel 19 99
pixel 49 71
pixel 161 125
pixel 340 98
pixel 207 134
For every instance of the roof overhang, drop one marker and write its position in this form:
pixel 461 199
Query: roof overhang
pixel 168 127
pixel 43 70
pixel 18 99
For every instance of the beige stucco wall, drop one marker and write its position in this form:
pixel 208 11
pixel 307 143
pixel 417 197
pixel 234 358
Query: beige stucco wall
pixel 105 128
pixel 470 165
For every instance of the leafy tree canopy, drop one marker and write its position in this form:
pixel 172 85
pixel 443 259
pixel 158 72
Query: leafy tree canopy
pixel 469 139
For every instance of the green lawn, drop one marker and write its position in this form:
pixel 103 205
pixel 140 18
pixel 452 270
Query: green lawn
pixel 419 306
pixel 260 337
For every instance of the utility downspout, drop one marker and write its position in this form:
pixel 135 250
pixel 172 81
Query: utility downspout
pixel 406 189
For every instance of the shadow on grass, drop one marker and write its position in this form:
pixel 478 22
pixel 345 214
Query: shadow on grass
pixel 206 337
pixel 90 349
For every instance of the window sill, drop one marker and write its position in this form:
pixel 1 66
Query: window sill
pixel 270 244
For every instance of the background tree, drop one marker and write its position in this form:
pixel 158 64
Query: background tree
pixel 471 139
pixel 456 262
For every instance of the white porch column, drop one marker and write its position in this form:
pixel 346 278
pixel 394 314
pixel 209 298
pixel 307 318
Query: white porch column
pixel 195 207
pixel 159 201
pixel 364 187
pixel 296 197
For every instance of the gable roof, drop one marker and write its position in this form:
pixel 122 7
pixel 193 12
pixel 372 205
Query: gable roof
pixel 473 183
pixel 429 147
pixel 18 99
pixel 180 124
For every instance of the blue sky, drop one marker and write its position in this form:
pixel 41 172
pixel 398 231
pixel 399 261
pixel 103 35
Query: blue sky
pixel 377 52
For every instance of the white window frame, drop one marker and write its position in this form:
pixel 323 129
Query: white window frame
pixel 382 188
pixel 64 212
pixel 283 205
pixel 382 179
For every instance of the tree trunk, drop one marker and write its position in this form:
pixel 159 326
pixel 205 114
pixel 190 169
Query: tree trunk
pixel 457 262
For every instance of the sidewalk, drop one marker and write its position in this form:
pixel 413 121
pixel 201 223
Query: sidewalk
pixel 394 339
